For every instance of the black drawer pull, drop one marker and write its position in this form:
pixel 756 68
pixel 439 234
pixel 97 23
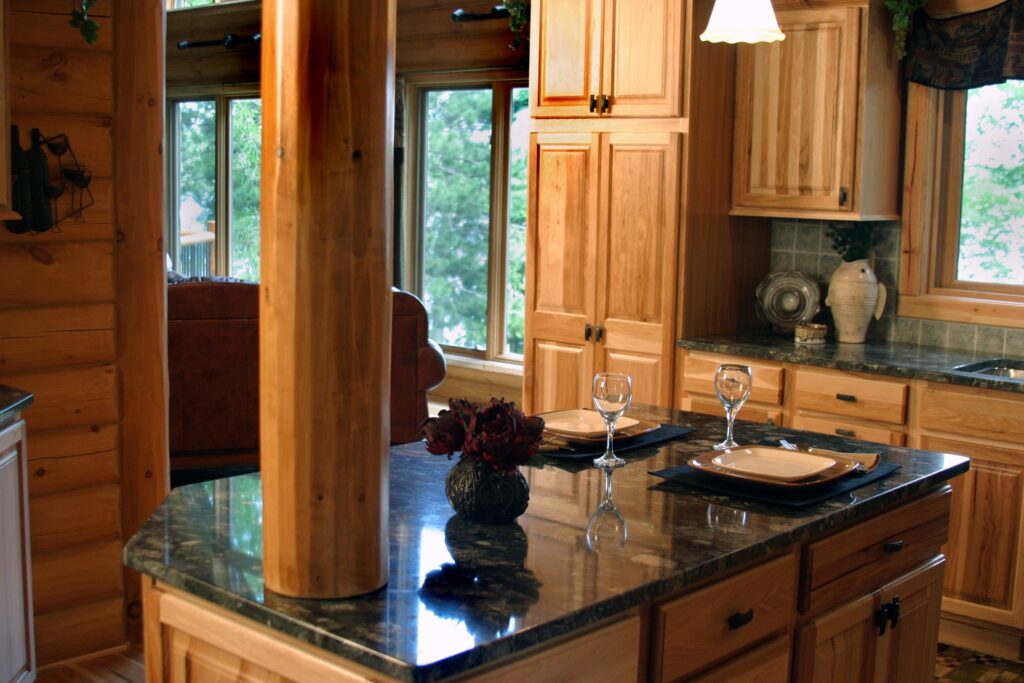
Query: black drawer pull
pixel 605 103
pixel 846 432
pixel 587 332
pixel 893 546
pixel 593 103
pixel 741 619
pixel 849 398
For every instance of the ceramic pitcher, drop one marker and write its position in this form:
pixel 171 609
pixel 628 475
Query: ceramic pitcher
pixel 854 295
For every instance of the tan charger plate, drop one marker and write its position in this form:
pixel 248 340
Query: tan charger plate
pixel 704 463
pixel 641 427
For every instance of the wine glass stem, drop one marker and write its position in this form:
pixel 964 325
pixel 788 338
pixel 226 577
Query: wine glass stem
pixel 611 431
pixel 607 487
pixel 730 416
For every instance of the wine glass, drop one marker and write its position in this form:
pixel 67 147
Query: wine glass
pixel 612 395
pixel 606 524
pixel 732 384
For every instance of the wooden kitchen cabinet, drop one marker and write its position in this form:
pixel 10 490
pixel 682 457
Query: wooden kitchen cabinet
pixel 606 58
pixel 602 228
pixel 886 636
pixel 818 116
pixel 697 387
pixel 17 651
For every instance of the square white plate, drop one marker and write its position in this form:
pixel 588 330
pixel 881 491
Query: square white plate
pixel 582 423
pixel 773 463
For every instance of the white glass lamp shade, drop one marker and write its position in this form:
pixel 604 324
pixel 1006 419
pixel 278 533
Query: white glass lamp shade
pixel 742 21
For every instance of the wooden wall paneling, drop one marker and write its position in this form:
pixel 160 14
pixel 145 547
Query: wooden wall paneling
pixel 52 80
pixel 64 520
pixel 52 30
pixel 324 383
pixel 103 8
pixel 56 273
pixel 721 258
pixel 142 292
pixel 53 475
pixel 78 576
pixel 90 137
pixel 32 338
pixel 73 397
pixel 70 633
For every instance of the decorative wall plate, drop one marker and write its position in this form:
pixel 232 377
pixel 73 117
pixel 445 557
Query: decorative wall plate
pixel 788 299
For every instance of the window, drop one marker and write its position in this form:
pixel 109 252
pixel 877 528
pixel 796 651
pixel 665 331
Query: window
pixel 215 186
pixel 469 218
pixel 963 242
pixel 188 4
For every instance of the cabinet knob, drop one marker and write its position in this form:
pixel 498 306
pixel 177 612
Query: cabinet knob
pixel 849 398
pixel 741 619
pixel 593 103
pixel 846 432
pixel 587 332
pixel 843 196
pixel 893 546
pixel 598 333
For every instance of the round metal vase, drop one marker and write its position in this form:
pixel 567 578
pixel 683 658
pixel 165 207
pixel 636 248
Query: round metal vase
pixel 483 494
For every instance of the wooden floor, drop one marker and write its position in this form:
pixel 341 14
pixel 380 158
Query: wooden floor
pixel 125 666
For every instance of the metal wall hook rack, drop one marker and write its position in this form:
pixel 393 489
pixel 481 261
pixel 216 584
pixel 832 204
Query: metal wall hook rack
pixel 229 41
pixel 497 12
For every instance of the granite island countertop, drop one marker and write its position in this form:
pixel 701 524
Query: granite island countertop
pixel 910 361
pixel 463 595
pixel 12 401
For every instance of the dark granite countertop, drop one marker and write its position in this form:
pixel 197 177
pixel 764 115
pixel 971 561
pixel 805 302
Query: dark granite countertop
pixel 508 587
pixel 883 358
pixel 12 401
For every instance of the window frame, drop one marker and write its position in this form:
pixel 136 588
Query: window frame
pixel 933 185
pixel 417 86
pixel 222 97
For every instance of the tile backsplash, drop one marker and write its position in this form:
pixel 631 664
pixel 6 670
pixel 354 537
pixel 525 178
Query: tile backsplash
pixel 804 246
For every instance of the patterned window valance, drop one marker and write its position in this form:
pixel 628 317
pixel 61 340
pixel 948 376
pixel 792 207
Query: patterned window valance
pixel 967 51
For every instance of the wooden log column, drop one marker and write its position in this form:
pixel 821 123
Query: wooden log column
pixel 325 305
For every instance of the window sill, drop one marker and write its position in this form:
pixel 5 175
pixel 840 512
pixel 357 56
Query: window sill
pixel 962 309
pixel 479 380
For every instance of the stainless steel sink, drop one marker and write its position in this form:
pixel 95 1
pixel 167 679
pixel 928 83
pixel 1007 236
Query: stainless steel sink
pixel 1002 368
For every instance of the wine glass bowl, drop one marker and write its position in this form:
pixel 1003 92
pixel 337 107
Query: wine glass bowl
pixel 606 526
pixel 733 384
pixel 612 394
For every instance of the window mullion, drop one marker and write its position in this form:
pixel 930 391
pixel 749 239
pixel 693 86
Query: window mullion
pixel 499 217
pixel 222 239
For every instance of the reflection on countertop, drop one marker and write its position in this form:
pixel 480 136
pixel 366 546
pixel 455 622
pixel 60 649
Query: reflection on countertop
pixel 462 595
pixel 884 358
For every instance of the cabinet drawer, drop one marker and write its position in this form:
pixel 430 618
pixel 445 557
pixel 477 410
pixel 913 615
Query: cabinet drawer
pixel 850 430
pixel 861 558
pixel 974 413
pixel 751 412
pixel 768 663
pixel 699 376
pixel 842 394
pixel 722 619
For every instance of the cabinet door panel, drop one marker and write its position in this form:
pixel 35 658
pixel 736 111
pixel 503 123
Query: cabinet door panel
pixel 637 256
pixel 16 651
pixel 642 57
pixel 907 650
pixel 560 277
pixel 984 547
pixel 768 663
pixel 839 647
pixel 565 64
pixel 646 372
pixel 796 113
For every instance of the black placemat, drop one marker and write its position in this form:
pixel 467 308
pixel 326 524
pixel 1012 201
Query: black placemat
pixel 788 496
pixel 590 451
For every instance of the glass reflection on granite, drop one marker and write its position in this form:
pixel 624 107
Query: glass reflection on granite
pixel 606 525
pixel 476 592
pixel 726 518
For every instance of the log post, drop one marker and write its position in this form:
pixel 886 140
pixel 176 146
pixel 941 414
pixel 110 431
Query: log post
pixel 325 295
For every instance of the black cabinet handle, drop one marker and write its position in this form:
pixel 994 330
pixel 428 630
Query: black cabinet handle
pixel 894 611
pixel 893 546
pixel 842 196
pixel 605 104
pixel 846 432
pixel 741 619
pixel 888 615
pixel 849 398
pixel 587 332
pixel 593 103
pixel 598 333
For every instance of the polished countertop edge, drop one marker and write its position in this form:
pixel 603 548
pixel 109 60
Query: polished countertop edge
pixel 12 401
pixel 595 613
pixel 904 362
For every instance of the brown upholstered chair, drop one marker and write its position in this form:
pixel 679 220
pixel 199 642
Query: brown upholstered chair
pixel 213 363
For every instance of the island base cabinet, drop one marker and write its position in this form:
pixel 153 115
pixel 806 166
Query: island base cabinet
pixel 888 636
pixel 768 663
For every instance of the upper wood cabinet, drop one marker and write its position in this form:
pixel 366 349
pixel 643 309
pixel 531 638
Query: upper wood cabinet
pixel 602 235
pixel 818 116
pixel 6 211
pixel 606 58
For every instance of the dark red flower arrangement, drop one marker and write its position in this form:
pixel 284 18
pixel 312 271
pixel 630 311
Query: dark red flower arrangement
pixel 498 434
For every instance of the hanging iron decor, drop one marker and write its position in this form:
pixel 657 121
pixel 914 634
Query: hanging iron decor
pixel 36 194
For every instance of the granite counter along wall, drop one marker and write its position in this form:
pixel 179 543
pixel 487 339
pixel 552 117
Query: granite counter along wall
pixel 803 245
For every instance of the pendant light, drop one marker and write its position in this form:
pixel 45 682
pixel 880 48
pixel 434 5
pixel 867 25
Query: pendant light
pixel 742 21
